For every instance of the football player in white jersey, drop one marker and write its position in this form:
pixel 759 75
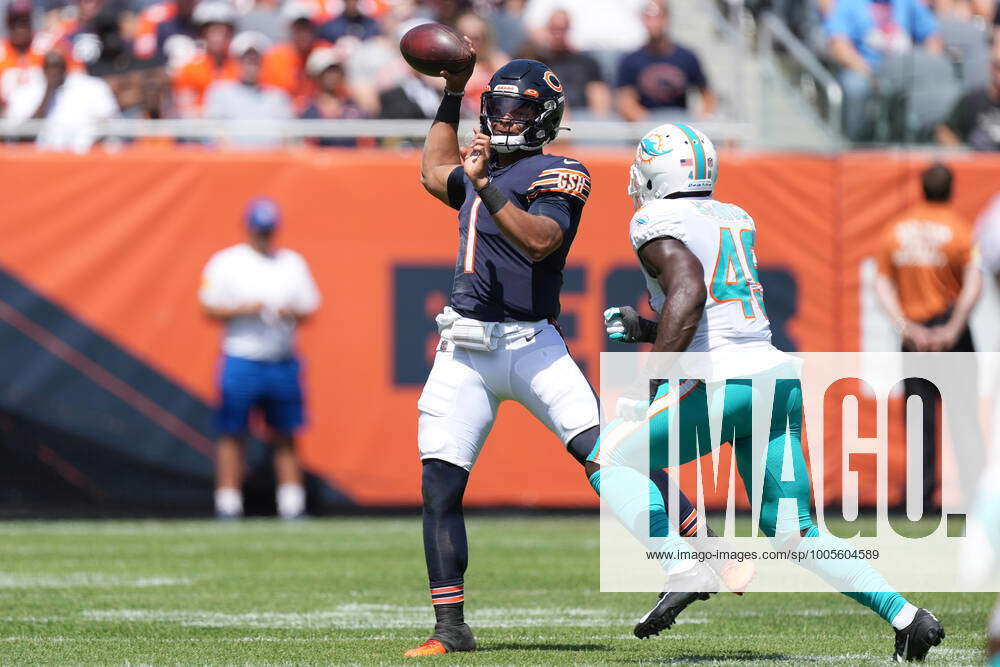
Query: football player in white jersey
pixel 697 255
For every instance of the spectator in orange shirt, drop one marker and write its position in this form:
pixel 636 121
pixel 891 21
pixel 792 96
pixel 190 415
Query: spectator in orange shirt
pixel 19 62
pixel 216 21
pixel 284 65
pixel 928 283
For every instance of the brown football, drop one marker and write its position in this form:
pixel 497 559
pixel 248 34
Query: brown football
pixel 432 47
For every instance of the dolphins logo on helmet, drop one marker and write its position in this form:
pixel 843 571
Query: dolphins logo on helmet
pixel 673 160
pixel 652 147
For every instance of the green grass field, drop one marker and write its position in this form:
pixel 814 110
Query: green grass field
pixel 353 590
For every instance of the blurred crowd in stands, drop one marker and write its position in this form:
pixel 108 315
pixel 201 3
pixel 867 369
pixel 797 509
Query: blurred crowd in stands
pixel 911 70
pixel 71 63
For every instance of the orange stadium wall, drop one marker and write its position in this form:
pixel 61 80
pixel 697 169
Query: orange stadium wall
pixel 120 240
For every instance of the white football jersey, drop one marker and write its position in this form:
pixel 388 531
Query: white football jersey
pixel 722 237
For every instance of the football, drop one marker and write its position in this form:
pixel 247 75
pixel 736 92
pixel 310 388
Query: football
pixel 432 47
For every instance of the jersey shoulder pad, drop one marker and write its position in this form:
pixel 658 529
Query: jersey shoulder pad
pixel 663 218
pixel 560 175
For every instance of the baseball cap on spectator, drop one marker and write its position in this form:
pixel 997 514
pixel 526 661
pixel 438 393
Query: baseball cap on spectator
pixel 214 11
pixel 247 41
pixel 654 8
pixel 295 11
pixel 262 215
pixel 19 10
pixel 322 58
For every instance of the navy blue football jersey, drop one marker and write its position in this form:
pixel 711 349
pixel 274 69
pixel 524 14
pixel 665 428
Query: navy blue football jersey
pixel 494 280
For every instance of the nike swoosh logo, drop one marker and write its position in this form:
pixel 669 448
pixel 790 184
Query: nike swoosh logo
pixel 565 161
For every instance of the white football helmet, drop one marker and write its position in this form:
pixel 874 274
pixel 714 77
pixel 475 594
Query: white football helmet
pixel 672 158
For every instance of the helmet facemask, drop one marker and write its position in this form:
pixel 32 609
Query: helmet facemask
pixel 517 122
pixel 637 189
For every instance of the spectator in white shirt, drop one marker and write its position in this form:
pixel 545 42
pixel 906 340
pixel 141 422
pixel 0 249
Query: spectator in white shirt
pixel 247 99
pixel 261 293
pixel 71 105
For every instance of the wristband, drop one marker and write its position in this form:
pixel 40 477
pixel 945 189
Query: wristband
pixel 493 199
pixel 450 108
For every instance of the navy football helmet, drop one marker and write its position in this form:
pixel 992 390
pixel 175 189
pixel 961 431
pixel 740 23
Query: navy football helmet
pixel 522 107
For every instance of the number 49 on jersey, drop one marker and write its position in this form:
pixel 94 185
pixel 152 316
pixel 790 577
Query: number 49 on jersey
pixel 735 277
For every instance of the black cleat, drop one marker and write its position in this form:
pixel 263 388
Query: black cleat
pixel 923 632
pixel 665 612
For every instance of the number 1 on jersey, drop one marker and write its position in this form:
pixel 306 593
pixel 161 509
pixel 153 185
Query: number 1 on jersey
pixel 735 277
pixel 470 238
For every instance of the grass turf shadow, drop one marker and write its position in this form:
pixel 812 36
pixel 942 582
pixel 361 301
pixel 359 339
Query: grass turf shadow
pixel 728 656
pixel 526 646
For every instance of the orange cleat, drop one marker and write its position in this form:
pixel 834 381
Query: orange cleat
pixel 459 638
pixel 429 647
pixel 736 576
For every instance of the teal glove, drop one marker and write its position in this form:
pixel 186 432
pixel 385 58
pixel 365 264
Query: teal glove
pixel 614 324
pixel 624 325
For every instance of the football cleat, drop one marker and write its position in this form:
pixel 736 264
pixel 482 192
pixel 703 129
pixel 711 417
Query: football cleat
pixel 446 639
pixel 736 576
pixel 429 647
pixel 665 612
pixel 914 641
pixel 700 582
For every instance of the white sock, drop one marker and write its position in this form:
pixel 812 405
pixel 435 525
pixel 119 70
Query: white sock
pixel 291 500
pixel 228 502
pixel 904 617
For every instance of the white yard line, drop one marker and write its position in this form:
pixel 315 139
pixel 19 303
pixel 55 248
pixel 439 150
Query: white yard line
pixel 86 580
pixel 355 616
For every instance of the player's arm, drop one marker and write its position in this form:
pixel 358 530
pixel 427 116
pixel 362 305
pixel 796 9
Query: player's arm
pixel 537 236
pixel 682 278
pixel 441 153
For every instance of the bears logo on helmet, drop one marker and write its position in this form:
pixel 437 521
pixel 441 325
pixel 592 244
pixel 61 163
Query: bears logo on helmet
pixel 553 81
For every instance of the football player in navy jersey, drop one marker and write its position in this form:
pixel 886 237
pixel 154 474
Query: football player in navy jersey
pixel 518 212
